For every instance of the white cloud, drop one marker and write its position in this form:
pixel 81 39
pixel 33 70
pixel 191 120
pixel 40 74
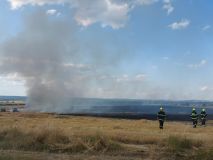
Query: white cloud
pixel 195 66
pixel 203 62
pixel 113 13
pixel 154 67
pixel 207 27
pixel 182 24
pixel 145 2
pixel 131 79
pixel 15 4
pixel 204 88
pixel 13 79
pixel 53 12
pixel 165 58
pixel 140 77
pixel 168 6
pixel 12 84
pixel 123 78
pixel 77 66
pixel 106 12
pixel 121 86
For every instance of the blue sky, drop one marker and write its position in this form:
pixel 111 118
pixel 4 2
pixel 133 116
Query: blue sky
pixel 149 49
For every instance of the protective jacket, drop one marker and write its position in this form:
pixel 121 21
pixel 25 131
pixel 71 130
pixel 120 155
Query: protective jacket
pixel 203 115
pixel 194 115
pixel 161 115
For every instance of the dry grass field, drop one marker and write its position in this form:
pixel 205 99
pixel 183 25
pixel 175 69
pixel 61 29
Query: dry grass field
pixel 36 136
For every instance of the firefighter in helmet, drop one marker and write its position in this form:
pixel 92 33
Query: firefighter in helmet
pixel 161 117
pixel 194 117
pixel 203 116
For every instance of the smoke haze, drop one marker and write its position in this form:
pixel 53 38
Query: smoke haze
pixel 39 54
pixel 50 58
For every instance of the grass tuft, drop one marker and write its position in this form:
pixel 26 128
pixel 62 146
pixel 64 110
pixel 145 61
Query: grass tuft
pixel 54 140
pixel 179 143
pixel 181 147
pixel 99 142
pixel 202 155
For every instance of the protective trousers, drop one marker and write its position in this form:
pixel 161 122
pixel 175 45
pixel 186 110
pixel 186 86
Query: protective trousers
pixel 194 123
pixel 203 122
pixel 161 124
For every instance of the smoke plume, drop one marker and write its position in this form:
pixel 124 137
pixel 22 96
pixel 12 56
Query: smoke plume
pixel 40 54
pixel 56 64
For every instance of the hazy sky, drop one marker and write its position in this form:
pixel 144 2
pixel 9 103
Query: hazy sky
pixel 155 49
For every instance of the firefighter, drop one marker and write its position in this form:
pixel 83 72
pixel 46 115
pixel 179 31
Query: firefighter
pixel 161 117
pixel 194 117
pixel 203 116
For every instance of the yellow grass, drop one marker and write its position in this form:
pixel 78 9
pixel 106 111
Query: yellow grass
pixel 89 135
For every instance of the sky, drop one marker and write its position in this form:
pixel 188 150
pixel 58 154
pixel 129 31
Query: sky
pixel 141 49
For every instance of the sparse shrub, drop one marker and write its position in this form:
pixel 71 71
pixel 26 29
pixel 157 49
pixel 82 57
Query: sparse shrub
pixel 179 143
pixel 114 146
pixel 202 155
pixel 137 140
pixel 117 127
pixel 77 147
pixel 181 147
pixel 51 136
pixel 101 143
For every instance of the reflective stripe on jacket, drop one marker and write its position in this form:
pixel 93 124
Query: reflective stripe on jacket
pixel 194 116
pixel 203 115
pixel 161 115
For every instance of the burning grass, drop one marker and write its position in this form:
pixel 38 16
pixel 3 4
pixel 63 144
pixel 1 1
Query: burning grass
pixel 86 135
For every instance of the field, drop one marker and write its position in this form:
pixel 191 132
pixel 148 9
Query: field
pixel 37 136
